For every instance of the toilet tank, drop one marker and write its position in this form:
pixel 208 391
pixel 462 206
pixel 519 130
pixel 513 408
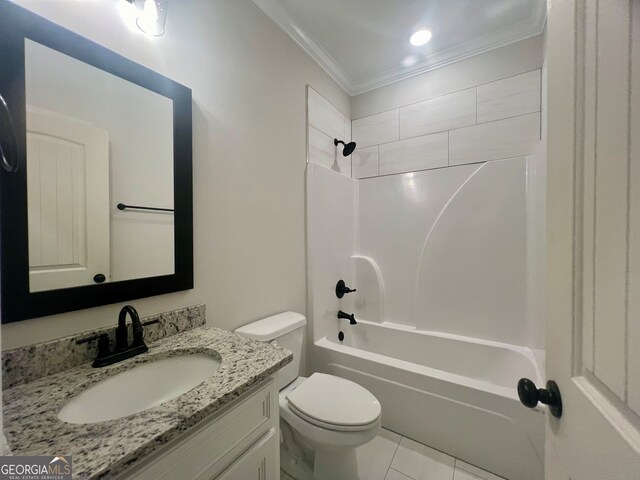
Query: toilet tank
pixel 285 330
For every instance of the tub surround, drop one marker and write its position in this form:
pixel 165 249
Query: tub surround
pixel 26 364
pixel 106 449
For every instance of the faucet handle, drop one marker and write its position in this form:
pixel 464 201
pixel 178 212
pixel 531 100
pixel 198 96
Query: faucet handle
pixel 103 346
pixel 341 289
pixel 104 350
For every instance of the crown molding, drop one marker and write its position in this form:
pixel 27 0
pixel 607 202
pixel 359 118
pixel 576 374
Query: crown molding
pixel 500 38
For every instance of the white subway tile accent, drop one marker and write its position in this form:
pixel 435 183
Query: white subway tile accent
pixel 364 162
pixel 322 151
pixel 438 114
pixel 347 129
pixel 512 137
pixel 324 116
pixel 376 129
pixel 420 153
pixel 509 97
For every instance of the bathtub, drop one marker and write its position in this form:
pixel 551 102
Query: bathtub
pixel 453 393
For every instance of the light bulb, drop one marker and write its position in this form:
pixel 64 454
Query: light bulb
pixel 149 20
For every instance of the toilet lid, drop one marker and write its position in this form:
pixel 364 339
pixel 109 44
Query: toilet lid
pixel 334 401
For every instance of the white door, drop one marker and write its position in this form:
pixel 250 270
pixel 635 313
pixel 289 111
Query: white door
pixel 68 202
pixel 593 238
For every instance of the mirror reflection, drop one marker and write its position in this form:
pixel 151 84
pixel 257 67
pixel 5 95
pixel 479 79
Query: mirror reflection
pixel 95 141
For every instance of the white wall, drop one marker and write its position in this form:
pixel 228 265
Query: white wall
pixel 139 123
pixel 249 136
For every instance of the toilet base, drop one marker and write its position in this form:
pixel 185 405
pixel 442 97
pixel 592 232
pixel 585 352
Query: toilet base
pixel 295 468
pixel 335 465
pixel 327 465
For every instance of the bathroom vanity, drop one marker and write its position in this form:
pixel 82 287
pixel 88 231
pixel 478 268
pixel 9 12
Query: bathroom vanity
pixel 224 428
pixel 239 442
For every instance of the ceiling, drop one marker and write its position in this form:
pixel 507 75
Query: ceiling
pixel 364 44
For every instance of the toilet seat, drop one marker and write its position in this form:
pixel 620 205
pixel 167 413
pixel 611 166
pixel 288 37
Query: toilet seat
pixel 318 435
pixel 334 403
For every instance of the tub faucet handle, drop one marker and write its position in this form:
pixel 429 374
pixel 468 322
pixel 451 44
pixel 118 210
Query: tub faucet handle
pixel 348 316
pixel 341 289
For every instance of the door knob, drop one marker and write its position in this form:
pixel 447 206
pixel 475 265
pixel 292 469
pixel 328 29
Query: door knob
pixel 530 395
pixel 99 278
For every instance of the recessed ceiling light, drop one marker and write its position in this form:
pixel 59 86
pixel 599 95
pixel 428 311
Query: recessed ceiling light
pixel 420 37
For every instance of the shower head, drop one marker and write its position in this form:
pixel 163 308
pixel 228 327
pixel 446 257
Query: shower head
pixel 348 147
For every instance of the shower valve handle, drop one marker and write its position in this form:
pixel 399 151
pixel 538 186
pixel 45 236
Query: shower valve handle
pixel 341 289
pixel 530 395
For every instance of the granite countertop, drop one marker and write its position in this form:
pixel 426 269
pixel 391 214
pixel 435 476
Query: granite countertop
pixel 104 450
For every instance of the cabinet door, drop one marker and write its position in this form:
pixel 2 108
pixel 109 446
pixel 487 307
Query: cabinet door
pixel 211 447
pixel 260 462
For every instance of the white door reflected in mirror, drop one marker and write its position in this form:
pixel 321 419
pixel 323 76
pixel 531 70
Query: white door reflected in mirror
pixel 68 202
pixel 95 140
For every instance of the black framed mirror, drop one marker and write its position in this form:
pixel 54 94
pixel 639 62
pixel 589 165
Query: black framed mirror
pixel 95 173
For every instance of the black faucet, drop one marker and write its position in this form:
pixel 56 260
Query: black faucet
pixel 346 316
pixel 122 331
pixel 123 350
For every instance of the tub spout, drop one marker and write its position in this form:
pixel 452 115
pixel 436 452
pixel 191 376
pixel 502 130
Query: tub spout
pixel 351 317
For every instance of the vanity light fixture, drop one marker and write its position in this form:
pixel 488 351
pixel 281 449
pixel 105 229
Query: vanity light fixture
pixel 150 15
pixel 420 37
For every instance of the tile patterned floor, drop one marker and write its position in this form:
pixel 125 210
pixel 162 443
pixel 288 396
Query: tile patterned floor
pixel 390 456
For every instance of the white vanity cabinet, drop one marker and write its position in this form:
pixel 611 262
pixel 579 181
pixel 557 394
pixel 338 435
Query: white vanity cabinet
pixel 239 442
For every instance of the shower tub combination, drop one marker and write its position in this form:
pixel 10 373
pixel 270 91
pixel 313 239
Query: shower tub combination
pixel 453 393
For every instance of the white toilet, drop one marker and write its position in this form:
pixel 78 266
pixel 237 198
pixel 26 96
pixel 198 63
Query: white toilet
pixel 323 418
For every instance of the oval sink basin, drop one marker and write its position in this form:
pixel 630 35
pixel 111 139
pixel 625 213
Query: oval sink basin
pixel 143 387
